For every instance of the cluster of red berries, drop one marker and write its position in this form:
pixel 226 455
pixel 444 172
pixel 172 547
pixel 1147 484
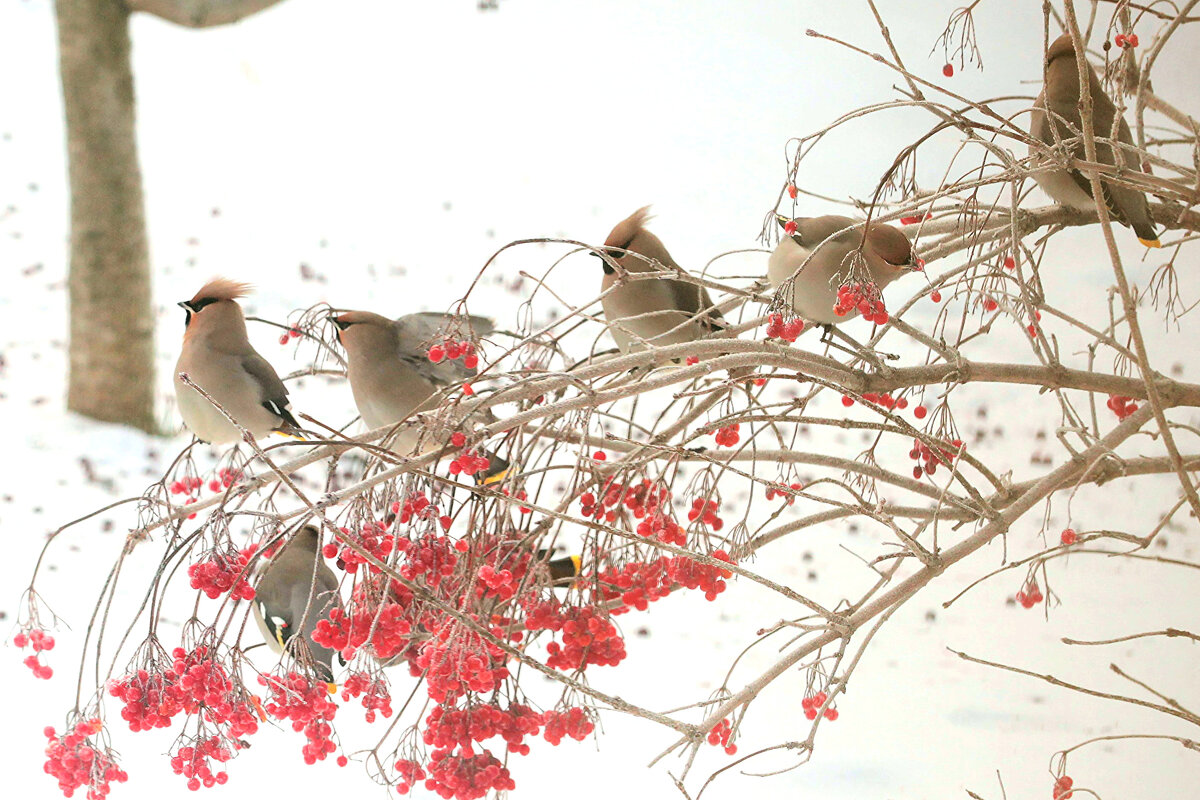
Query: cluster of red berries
pixel 885 401
pixel 373 690
pixel 642 500
pixel 383 626
pixel 40 641
pixel 225 478
pixel 467 776
pixel 705 511
pixel 1126 40
pixel 1030 594
pixel 456 660
pixel 1121 406
pixel 372 537
pixel 660 525
pixel 788 331
pixel 727 436
pixel 74 761
pixel 306 703
pixel 1032 328
pixel 408 773
pixel 783 494
pixel 219 573
pixel 640 583
pixel 499 583
pixel 720 734
pixel 292 333
pixel 415 506
pixel 193 763
pixel 1062 786
pixel 863 297
pixel 913 220
pixel 930 457
pixel 188 485
pixel 469 462
pixel 588 637
pixel 193 682
pixel 448 727
pixel 430 558
pixel 573 722
pixel 1069 537
pixel 454 350
pixel 812 706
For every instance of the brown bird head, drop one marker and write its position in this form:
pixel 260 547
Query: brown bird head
pixel 215 309
pixel 893 248
pixel 361 332
pixel 1062 46
pixel 630 236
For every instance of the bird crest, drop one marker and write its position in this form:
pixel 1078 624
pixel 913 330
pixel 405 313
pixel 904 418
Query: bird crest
pixel 222 289
pixel 628 228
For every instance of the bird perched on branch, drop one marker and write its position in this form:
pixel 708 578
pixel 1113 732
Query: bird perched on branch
pixel 218 357
pixel 296 589
pixel 658 311
pixel 1057 117
pixel 819 258
pixel 393 378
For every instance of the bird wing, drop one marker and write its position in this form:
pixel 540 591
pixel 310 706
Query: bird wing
pixel 696 302
pixel 417 331
pixel 272 392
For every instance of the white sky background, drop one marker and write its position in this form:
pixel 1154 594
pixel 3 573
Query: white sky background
pixel 424 135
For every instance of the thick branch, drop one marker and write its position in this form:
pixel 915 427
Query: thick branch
pixel 201 13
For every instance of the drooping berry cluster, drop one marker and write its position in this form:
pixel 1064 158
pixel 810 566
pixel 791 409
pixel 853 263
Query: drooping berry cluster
pixel 221 572
pixel 75 761
pixel 864 298
pixel 371 536
pixel 373 689
pixel 929 457
pixel 812 706
pixel 588 637
pixel 454 350
pixel 638 584
pixel 705 512
pixel 886 400
pixel 720 734
pixel 1030 594
pixel 782 492
pixel 1121 405
pixel 778 328
pixel 291 333
pixel 41 642
pixel 457 660
pixel 641 499
pixel 188 485
pixel 225 478
pixel 1062 788
pixel 307 704
pixel 194 762
pixel 469 462
pixel 1126 40
pixel 727 436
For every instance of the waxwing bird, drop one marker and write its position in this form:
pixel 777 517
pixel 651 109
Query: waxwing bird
pixel 659 312
pixel 392 377
pixel 818 256
pixel 296 589
pixel 217 356
pixel 1056 117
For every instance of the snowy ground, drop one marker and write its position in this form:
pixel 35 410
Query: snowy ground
pixel 392 149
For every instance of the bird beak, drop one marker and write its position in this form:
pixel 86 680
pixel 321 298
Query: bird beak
pixel 341 326
pixel 185 305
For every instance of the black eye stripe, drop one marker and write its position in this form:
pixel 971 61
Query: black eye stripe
pixel 202 302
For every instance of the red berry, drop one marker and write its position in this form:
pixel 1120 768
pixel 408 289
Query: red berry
pixel 936 296
pixel 284 339
pixel 1010 263
pixel 792 191
pixel 1119 41
pixel 920 411
pixel 1132 40
pixel 1069 537
pixel 948 70
pixel 847 400
pixel 436 353
pixel 789 228
pixel 600 455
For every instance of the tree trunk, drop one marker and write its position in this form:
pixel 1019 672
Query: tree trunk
pixel 111 374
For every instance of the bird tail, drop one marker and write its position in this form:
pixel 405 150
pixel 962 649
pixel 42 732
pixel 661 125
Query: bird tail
pixel 497 469
pixel 562 570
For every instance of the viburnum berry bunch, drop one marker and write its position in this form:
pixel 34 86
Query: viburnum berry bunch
pixel 194 762
pixel 705 511
pixel 813 703
pixel 1030 594
pixel 454 349
pixel 782 492
pixel 929 458
pixel 727 436
pixel 307 705
pixel 40 641
pixel 864 297
pixel 372 536
pixel 720 734
pixel 1121 406
pixel 220 571
pixel 373 690
pixel 1062 788
pixel 75 759
pixel 788 330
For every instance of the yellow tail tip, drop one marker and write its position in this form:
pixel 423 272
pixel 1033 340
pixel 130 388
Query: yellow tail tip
pixel 499 476
pixel 1150 242
pixel 578 563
